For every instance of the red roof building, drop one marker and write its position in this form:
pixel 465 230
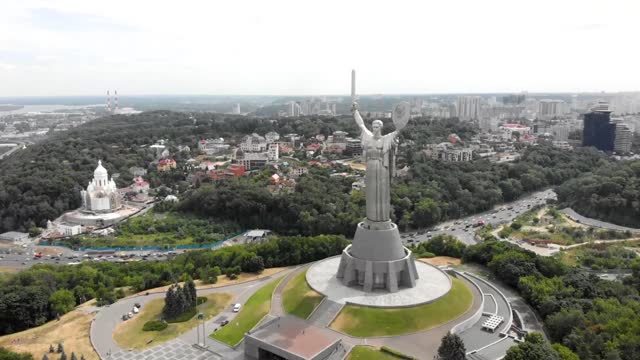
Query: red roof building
pixel 233 171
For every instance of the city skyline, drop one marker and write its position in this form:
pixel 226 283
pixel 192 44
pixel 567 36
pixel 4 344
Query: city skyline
pixel 251 48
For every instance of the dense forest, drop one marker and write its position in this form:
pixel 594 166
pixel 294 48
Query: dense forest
pixel 41 182
pixel 610 192
pixel 593 318
pixel 433 192
pixel 39 294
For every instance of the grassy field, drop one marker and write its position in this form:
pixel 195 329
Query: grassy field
pixel 9 269
pixel 129 334
pixel 361 321
pixel 362 352
pixel 72 331
pixel 298 298
pixel 602 256
pixel 252 312
pixel 442 260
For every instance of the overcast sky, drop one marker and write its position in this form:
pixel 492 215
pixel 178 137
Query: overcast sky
pixel 84 47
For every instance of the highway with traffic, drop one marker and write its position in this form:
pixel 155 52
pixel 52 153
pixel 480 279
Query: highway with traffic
pixel 464 228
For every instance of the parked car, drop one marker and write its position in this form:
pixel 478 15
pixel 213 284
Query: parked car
pixel 224 322
pixel 236 307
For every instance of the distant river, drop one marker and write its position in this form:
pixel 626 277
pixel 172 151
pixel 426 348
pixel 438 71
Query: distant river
pixel 47 108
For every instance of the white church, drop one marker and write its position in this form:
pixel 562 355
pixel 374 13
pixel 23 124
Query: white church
pixel 101 194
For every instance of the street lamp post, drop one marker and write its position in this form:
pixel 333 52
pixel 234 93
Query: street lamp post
pixel 201 318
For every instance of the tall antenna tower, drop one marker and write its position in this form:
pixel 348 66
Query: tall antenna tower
pixel 115 105
pixel 108 101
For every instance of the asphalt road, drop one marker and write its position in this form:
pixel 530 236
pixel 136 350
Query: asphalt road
pixel 595 223
pixel 464 228
pixel 109 317
pixel 24 257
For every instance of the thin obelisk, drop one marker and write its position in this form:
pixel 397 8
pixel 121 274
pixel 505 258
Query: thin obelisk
pixel 353 86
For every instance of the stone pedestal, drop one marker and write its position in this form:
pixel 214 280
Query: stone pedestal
pixel 377 259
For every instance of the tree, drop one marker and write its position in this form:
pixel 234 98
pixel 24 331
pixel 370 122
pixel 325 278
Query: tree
pixel 533 348
pixel 190 292
pixel 73 356
pixel 451 348
pixel 63 356
pixel 253 264
pixel 564 352
pixel 426 213
pixel 60 348
pixel 62 301
pixel 45 357
pixel 34 231
pixel 52 349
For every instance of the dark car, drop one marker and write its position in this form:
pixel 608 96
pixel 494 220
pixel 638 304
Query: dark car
pixel 224 322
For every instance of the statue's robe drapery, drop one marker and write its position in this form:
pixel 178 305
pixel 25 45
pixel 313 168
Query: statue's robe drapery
pixel 376 155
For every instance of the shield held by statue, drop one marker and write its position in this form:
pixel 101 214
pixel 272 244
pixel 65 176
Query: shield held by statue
pixel 401 114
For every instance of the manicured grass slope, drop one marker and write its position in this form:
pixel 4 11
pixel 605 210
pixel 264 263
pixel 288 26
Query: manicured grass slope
pixel 363 321
pixel 362 352
pixel 252 312
pixel 298 298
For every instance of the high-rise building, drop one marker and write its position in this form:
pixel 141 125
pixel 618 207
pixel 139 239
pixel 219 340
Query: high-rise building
pixel 598 130
pixel 548 108
pixel 624 136
pixel 514 99
pixel 236 109
pixel 294 109
pixel 560 132
pixel 468 107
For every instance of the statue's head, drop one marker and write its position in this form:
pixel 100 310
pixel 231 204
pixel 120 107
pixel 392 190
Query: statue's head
pixel 377 127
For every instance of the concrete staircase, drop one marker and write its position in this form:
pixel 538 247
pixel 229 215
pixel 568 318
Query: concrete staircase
pixel 341 353
pixel 325 313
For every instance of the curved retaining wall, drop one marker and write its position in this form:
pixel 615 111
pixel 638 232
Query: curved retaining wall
pixel 478 314
pixel 509 322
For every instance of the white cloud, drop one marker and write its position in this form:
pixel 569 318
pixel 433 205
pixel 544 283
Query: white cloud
pixel 303 47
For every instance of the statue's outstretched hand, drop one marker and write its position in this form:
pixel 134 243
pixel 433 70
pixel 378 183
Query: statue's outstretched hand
pixel 354 105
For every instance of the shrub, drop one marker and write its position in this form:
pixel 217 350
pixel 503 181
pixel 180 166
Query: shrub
pixel 185 316
pixel 201 300
pixel 396 353
pixel 154 325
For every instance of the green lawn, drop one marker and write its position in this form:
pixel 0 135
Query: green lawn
pixel 252 312
pixel 298 298
pixel 362 352
pixel 361 321
pixel 129 334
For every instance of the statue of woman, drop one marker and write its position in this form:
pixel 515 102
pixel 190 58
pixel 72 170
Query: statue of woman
pixel 378 155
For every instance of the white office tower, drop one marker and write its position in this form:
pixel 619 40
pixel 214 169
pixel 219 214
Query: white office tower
pixel 468 108
pixel 548 108
pixel 624 137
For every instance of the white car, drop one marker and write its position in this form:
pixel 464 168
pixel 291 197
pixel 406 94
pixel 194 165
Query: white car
pixel 236 307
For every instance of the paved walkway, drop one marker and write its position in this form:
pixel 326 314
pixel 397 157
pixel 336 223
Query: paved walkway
pixel 325 313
